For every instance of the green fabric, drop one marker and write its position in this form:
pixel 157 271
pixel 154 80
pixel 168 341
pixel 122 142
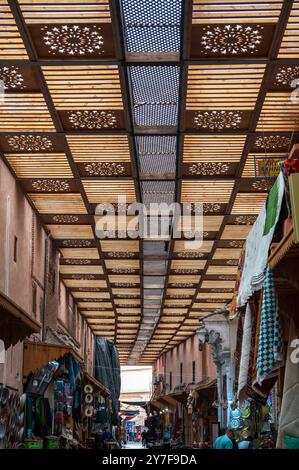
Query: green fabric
pixel 291 442
pixel 271 208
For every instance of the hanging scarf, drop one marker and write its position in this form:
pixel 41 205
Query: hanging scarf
pixel 270 347
pixel 258 243
pixel 257 337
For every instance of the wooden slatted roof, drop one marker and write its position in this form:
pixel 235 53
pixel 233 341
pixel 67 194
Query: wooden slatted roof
pixel 76 11
pixel 103 95
pixel 11 44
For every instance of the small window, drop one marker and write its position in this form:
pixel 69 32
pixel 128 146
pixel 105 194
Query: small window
pixel 15 249
pixel 181 372
pixel 34 293
pixel 193 372
pixel 170 380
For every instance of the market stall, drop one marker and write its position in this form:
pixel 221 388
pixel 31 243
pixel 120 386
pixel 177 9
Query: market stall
pixel 53 380
pixel 96 409
pixel 201 415
pixel 266 299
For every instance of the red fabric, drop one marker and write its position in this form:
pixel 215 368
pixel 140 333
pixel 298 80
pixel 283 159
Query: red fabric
pixel 291 166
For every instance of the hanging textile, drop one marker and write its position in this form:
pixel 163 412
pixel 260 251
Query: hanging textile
pixel 238 352
pixel 245 354
pixel 289 414
pixel 257 337
pixel 258 244
pixel 291 165
pixel 271 209
pixel 233 311
pixel 249 392
pixel 286 188
pixel 270 348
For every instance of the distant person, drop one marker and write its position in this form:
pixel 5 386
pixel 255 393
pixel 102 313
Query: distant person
pixel 225 441
pixel 245 443
pixel 167 435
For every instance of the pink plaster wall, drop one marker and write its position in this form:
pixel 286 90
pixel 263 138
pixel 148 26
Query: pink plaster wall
pixel 21 226
pixel 29 271
pixel 185 353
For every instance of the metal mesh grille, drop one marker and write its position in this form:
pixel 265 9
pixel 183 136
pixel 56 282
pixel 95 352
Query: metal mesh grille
pixel 155 93
pixel 158 191
pixel 156 154
pixel 152 25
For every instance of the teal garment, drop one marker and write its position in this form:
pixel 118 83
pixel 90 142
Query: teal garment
pixel 291 442
pixel 223 442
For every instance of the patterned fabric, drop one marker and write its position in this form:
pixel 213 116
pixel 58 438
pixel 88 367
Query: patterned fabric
pixel 257 337
pixel 270 348
pixel 257 249
pixel 245 352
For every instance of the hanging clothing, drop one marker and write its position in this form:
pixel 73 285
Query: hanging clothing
pixel 258 243
pixel 271 209
pixel 238 353
pixel 255 308
pixel 233 310
pixel 245 355
pixel 257 338
pixel 270 348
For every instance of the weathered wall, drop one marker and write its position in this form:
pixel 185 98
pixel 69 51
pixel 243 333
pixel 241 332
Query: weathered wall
pixel 19 278
pixel 17 220
pixel 185 353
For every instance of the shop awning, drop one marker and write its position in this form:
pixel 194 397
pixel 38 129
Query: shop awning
pixel 15 323
pixel 179 395
pixel 156 404
pixel 98 385
pixel 135 403
pixel 167 400
pixel 205 384
pixel 129 414
pixel 37 355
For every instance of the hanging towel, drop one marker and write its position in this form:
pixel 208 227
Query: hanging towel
pixel 246 347
pixel 289 414
pixel 270 347
pixel 271 209
pixel 258 244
